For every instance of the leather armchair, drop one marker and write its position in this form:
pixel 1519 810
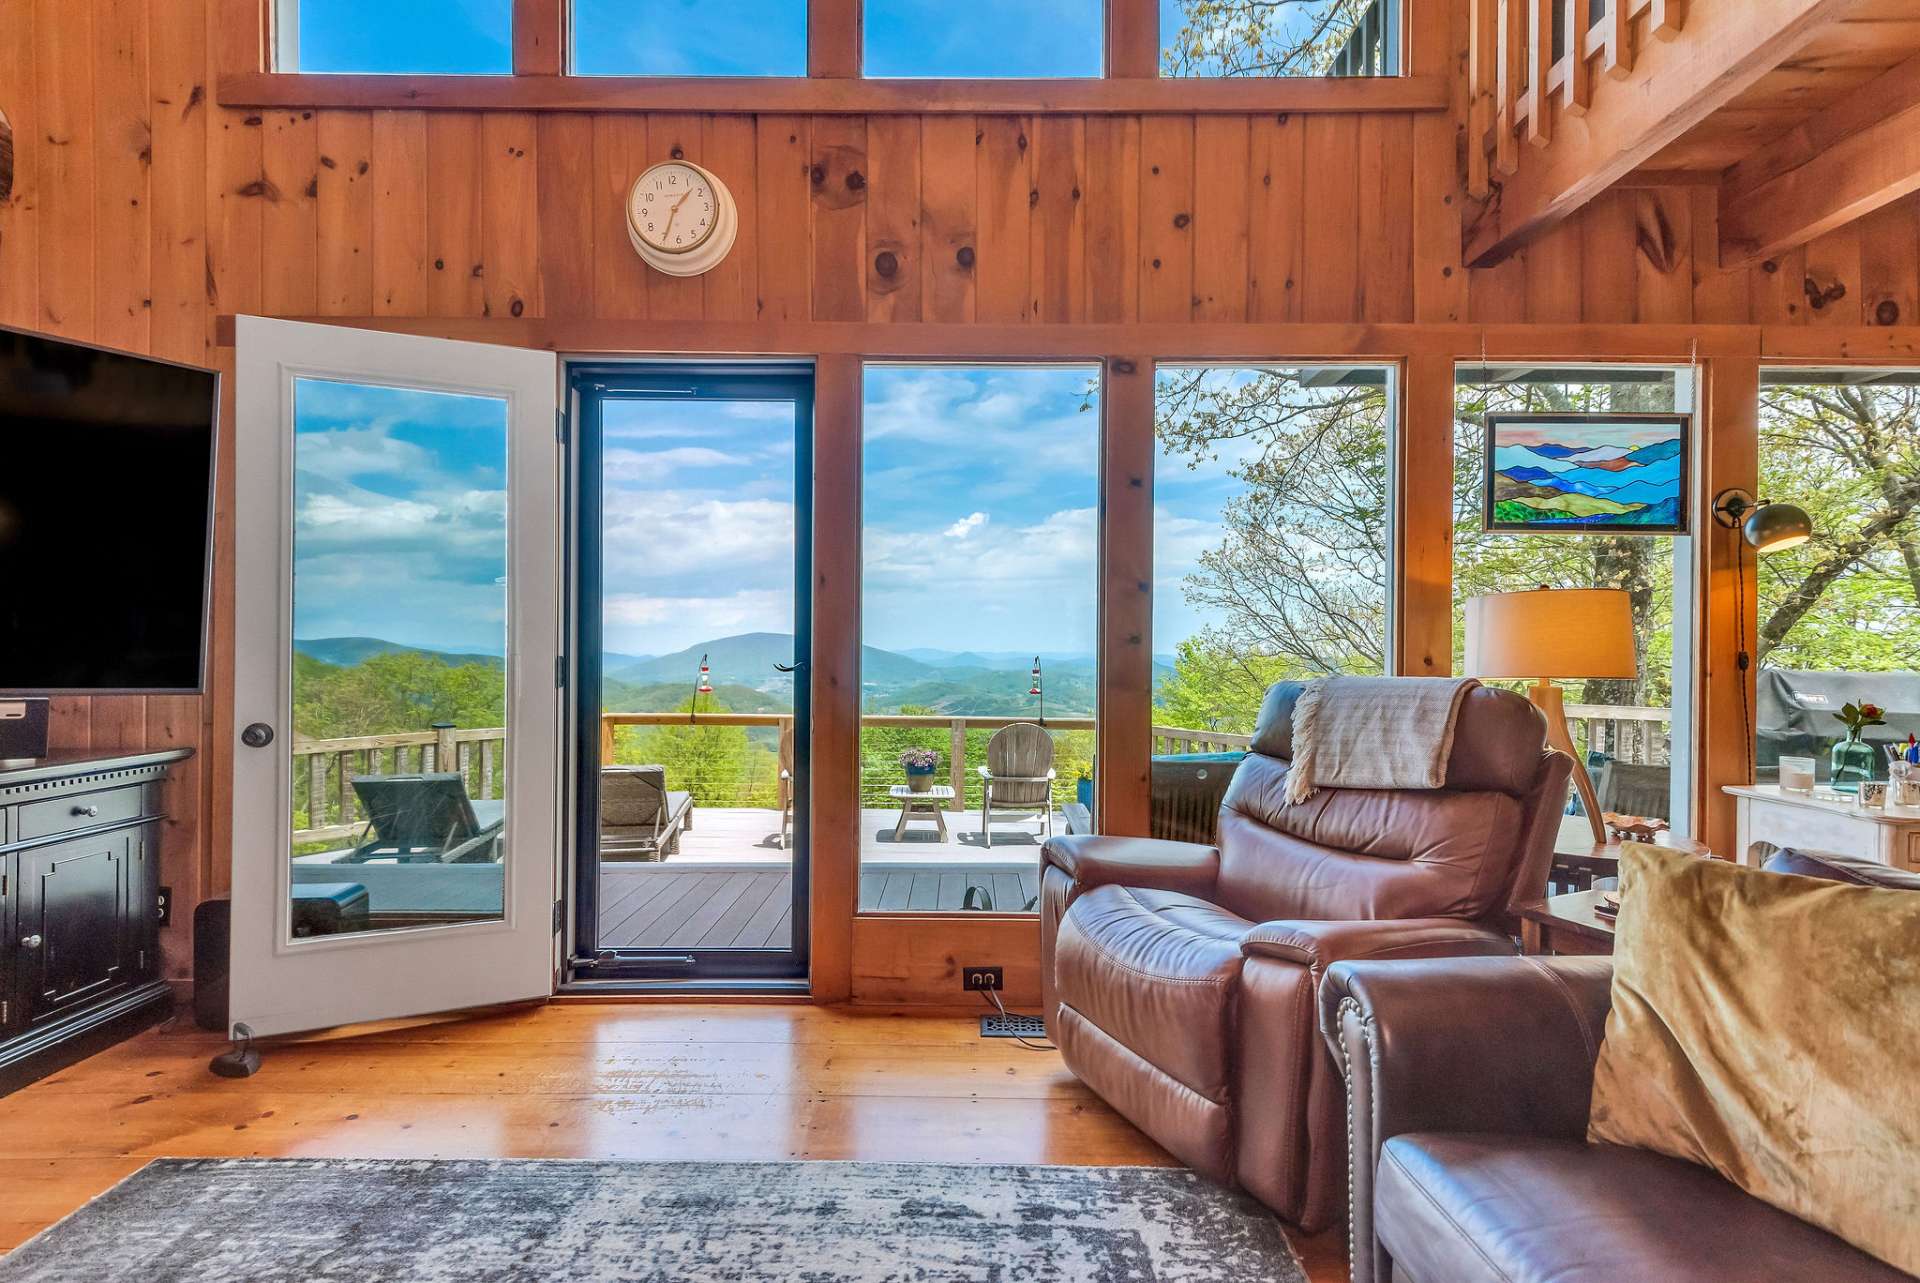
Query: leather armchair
pixel 1468 1082
pixel 1179 980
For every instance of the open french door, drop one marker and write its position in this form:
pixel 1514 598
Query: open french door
pixel 396 783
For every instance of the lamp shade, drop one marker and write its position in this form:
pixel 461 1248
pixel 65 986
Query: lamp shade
pixel 1773 526
pixel 1551 632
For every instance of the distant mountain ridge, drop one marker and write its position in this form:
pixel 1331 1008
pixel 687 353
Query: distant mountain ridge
pixel 345 652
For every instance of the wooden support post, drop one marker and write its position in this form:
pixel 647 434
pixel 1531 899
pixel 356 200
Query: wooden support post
pixel 834 45
pixel 1483 78
pixel 1725 590
pixel 1423 539
pixel 834 760
pixel 1133 38
pixel 957 763
pixel 607 744
pixel 539 37
pixel 1123 740
pixel 1665 18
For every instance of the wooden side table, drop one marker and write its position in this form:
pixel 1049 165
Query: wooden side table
pixel 925 804
pixel 1566 924
pixel 1766 813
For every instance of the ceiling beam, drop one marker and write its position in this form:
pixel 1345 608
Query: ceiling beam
pixel 1676 84
pixel 1838 165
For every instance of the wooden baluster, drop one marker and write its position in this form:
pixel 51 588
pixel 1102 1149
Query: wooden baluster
pixel 316 791
pixel 444 756
pixel 1539 71
pixel 1506 153
pixel 486 769
pixel 957 763
pixel 1483 57
pixel 346 786
pixel 464 758
pixel 607 744
pixel 1579 87
pixel 1664 18
pixel 1619 46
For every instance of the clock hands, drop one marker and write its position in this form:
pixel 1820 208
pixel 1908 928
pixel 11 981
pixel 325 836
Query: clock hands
pixel 675 213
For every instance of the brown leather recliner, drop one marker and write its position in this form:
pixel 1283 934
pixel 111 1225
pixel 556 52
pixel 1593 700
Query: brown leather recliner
pixel 1178 980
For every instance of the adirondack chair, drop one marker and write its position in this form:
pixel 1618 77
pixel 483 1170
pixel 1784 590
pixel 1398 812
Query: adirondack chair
pixel 639 818
pixel 786 785
pixel 1018 776
pixel 425 819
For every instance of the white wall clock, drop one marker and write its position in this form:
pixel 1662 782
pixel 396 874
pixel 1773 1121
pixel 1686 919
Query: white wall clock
pixel 681 218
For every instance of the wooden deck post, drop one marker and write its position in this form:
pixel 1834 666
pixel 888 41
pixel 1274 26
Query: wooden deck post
pixel 957 763
pixel 606 742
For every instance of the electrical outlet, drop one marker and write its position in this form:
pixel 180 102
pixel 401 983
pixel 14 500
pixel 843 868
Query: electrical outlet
pixel 981 979
pixel 163 908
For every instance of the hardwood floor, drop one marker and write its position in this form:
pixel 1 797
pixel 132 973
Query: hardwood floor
pixel 571 1080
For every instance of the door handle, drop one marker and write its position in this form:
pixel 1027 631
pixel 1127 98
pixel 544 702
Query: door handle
pixel 794 667
pixel 258 735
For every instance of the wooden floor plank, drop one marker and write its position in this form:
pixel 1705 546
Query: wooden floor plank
pixel 606 1081
pixel 762 927
pixel 726 932
pixel 721 895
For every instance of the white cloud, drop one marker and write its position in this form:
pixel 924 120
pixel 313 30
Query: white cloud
pixel 966 525
pixel 655 466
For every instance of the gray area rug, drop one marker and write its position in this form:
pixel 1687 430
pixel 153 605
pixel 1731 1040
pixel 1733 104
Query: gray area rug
pixel 273 1220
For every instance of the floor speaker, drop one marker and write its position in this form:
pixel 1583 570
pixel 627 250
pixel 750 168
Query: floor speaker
pixel 212 940
pixel 23 729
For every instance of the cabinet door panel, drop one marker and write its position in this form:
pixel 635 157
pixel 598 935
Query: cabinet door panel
pixel 73 910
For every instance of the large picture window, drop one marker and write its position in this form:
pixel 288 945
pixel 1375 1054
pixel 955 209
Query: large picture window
pixel 419 37
pixel 1635 732
pixel 980 499
pixel 689 38
pixel 1839 616
pixel 1273 502
pixel 1280 37
pixel 985 39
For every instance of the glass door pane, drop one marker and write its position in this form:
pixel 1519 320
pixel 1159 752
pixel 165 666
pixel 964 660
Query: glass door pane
pixel 693 686
pixel 400 582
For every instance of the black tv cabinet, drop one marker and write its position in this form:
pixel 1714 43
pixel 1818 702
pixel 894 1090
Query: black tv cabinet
pixel 79 906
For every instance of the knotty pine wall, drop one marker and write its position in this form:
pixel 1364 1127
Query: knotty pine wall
pixel 143 211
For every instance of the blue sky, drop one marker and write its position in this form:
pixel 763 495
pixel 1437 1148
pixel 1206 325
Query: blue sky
pixel 400 509
pixel 980 522
pixel 706 37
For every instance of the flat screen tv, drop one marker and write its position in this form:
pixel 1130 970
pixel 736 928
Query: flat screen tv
pixel 106 518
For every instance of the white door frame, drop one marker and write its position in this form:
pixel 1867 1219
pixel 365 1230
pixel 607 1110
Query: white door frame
pixel 282 985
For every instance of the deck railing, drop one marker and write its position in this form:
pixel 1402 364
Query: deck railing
pixel 326 809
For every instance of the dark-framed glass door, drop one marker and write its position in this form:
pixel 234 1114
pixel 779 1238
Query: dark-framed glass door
pixel 692 625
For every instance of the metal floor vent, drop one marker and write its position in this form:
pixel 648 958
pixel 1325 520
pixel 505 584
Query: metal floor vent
pixel 1013 1026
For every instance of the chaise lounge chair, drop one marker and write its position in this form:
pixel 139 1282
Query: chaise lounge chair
pixel 639 818
pixel 425 819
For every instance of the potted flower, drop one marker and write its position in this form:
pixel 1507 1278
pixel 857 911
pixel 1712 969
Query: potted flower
pixel 920 764
pixel 1853 758
pixel 1083 788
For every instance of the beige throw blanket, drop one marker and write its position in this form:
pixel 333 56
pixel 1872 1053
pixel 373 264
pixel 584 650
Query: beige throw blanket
pixel 1374 733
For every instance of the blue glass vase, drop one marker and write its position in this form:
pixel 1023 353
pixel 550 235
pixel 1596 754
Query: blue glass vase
pixel 1852 765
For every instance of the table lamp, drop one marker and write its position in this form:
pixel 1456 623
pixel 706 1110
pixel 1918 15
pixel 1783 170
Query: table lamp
pixel 1549 633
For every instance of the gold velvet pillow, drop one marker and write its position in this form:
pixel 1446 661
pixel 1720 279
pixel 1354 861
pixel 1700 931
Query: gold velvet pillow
pixel 1768 1026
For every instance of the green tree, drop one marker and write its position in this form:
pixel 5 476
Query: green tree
pixel 719 765
pixel 1259 37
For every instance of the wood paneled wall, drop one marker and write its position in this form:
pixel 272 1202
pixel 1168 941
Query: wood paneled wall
pixel 143 212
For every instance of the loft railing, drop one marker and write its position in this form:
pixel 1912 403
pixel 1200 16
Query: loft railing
pixel 1374 47
pixel 1519 60
pixel 326 809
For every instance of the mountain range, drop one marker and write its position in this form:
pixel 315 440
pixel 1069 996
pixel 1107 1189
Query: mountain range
pixel 741 670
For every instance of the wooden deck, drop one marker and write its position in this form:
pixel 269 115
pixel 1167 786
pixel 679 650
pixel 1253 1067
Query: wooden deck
pixel 733 834
pixel 658 906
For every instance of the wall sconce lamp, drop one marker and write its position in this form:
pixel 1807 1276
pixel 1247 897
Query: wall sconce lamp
pixel 1768 526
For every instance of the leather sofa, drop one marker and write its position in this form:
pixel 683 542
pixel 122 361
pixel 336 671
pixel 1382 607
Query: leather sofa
pixel 1468 1087
pixel 1178 979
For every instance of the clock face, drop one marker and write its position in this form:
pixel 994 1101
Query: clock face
pixel 673 208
